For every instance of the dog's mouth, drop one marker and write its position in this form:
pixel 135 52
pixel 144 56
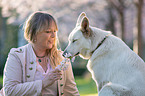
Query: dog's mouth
pixel 77 54
pixel 72 58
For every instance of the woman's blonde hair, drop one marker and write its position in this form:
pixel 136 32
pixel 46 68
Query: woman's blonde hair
pixel 38 22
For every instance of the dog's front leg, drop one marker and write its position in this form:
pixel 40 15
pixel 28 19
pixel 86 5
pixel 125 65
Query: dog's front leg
pixel 111 89
pixel 100 85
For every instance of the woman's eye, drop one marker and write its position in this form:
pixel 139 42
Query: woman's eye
pixel 48 31
pixel 74 40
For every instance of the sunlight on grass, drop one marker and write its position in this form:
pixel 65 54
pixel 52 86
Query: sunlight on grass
pixel 86 86
pixel 89 94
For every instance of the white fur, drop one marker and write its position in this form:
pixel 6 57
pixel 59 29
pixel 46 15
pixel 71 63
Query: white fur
pixel 115 68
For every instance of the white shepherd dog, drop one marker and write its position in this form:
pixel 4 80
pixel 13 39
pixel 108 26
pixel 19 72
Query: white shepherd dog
pixel 115 68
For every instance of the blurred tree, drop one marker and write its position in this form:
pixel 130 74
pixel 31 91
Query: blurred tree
pixel 111 24
pixel 8 39
pixel 139 44
pixel 120 6
pixel 3 36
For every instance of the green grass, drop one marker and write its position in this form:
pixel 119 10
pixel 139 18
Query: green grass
pixel 86 86
pixel 1 82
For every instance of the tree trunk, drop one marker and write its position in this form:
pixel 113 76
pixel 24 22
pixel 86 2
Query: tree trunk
pixel 111 22
pixel 122 23
pixel 140 38
pixel 120 8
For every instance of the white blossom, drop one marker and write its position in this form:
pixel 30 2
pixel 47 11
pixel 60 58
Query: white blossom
pixel 68 56
pixel 63 64
pixel 73 59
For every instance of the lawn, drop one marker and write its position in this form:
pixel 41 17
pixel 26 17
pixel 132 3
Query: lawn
pixel 1 81
pixel 86 86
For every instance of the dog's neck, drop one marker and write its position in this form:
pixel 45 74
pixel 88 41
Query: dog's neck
pixel 100 43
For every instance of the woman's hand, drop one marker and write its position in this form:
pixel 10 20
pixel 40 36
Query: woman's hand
pixel 51 77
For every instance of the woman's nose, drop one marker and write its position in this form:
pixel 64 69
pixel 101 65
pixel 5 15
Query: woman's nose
pixel 53 34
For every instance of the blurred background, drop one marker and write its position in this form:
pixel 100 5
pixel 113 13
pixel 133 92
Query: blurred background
pixel 125 18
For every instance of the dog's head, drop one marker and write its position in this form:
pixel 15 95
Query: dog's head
pixel 84 39
pixel 79 38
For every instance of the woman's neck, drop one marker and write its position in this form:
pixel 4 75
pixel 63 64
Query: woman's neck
pixel 39 51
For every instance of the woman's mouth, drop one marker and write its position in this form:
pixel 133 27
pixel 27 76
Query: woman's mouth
pixel 50 42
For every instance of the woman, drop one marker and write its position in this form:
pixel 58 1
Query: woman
pixel 31 69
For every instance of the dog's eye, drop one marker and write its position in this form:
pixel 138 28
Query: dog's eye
pixel 74 40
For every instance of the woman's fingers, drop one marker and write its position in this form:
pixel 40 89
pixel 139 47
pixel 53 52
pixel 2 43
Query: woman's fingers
pixel 51 77
pixel 54 75
pixel 56 70
pixel 57 75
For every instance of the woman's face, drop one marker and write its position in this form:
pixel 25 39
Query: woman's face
pixel 45 39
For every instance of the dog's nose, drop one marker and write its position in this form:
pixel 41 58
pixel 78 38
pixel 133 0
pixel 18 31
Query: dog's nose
pixel 64 53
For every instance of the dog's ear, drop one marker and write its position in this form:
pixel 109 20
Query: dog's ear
pixel 80 18
pixel 85 27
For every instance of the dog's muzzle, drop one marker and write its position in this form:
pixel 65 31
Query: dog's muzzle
pixel 64 53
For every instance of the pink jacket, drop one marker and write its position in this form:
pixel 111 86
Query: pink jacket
pixel 19 76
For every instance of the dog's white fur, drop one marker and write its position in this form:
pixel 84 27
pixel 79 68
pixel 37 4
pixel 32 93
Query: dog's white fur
pixel 115 68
